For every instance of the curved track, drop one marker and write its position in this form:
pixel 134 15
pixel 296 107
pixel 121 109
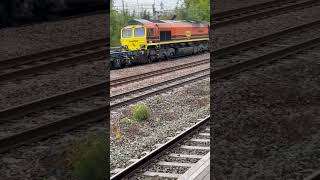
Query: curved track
pixel 314 176
pixel 195 138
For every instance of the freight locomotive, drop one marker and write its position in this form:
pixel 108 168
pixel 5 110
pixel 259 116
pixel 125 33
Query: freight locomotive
pixel 145 41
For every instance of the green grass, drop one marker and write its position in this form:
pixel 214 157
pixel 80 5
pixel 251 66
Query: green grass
pixel 140 112
pixel 89 158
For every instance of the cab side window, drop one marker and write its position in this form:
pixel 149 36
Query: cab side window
pixel 150 33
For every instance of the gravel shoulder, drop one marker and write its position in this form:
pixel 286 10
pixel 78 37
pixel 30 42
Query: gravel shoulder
pixel 171 112
pixel 265 122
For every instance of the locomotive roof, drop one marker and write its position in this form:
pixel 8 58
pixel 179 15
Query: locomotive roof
pixel 143 22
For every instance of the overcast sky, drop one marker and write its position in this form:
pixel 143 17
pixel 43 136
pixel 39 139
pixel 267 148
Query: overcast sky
pixel 145 4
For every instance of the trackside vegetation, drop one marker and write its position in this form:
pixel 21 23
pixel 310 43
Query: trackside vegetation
pixel 140 112
pixel 194 10
pixel 89 158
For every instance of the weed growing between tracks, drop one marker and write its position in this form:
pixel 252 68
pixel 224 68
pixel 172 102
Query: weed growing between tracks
pixel 88 158
pixel 140 112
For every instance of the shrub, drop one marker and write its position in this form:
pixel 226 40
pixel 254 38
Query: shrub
pixel 90 159
pixel 140 112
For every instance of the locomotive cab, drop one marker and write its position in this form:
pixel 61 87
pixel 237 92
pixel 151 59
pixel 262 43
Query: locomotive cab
pixel 133 38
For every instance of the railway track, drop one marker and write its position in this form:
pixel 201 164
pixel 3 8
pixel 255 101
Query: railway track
pixel 269 43
pixel 35 63
pixel 175 157
pixel 89 105
pixel 258 11
pixel 126 80
pixel 314 176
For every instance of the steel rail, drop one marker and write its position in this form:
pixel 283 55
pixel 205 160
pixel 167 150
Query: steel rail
pixel 159 151
pixel 260 40
pixel 248 15
pixel 313 176
pixel 48 102
pixel 95 56
pixel 230 70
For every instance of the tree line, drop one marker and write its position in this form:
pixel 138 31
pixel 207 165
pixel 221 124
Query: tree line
pixel 194 10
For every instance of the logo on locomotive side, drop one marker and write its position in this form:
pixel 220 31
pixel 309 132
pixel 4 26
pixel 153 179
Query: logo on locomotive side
pixel 188 33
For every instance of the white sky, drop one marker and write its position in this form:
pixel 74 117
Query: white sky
pixel 145 4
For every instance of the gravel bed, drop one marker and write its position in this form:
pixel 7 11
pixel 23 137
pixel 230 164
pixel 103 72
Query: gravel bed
pixel 51 35
pixel 46 159
pixel 131 71
pixel 192 143
pixel 51 83
pixel 226 5
pixel 149 178
pixel 171 111
pixel 167 169
pixel 266 121
pixel 190 151
pixel 182 160
pixel 256 28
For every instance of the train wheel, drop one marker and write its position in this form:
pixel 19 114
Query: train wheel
pixel 172 53
pixel 196 50
pixel 116 63
pixel 201 50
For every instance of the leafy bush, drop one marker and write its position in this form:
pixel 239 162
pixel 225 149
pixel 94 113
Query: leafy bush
pixel 140 112
pixel 90 159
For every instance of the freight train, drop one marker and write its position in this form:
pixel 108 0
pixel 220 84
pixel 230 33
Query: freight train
pixel 13 11
pixel 145 41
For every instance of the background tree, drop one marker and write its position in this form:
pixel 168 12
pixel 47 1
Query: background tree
pixel 194 10
pixel 118 19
